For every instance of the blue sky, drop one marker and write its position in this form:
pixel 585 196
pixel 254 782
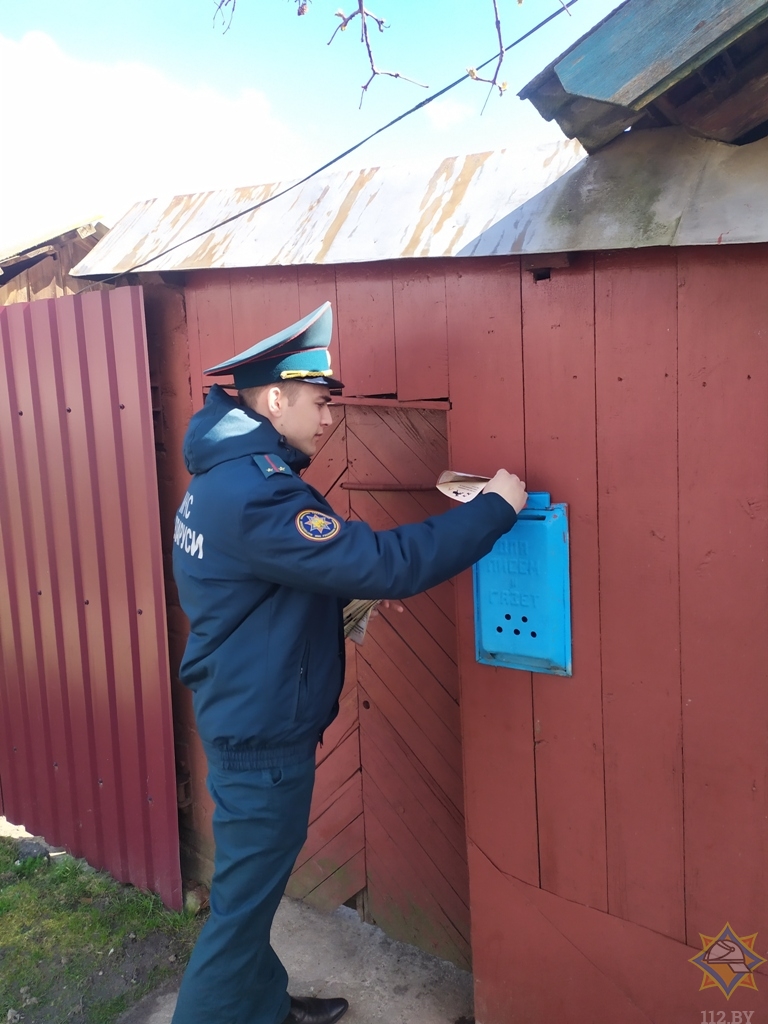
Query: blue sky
pixel 111 102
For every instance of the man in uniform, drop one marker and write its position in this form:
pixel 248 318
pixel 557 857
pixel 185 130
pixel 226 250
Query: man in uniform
pixel 264 567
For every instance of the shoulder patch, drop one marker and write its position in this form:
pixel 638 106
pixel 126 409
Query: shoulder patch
pixel 272 465
pixel 317 525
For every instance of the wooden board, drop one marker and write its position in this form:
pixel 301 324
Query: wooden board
pixel 330 869
pixel 487 432
pixel 421 343
pixel 317 285
pixel 636 356
pixel 539 957
pixel 409 717
pixel 366 330
pixel 724 600
pixel 264 301
pixel 211 327
pixel 560 430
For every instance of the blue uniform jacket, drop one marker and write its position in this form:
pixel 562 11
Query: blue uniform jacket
pixel 264 566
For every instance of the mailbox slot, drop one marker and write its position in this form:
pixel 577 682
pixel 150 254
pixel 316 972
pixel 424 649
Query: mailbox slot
pixel 523 593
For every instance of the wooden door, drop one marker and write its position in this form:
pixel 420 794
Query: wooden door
pixel 388 811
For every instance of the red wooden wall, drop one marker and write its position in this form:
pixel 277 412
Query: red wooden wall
pixel 614 816
pixel 605 812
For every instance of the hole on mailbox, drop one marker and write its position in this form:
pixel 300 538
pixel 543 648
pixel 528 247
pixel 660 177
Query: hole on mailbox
pixel 517 632
pixel 525 618
pixel 499 629
pixel 507 616
pixel 532 633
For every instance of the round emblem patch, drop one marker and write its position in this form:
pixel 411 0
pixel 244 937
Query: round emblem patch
pixel 316 525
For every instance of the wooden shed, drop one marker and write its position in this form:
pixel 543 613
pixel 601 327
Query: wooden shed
pixel 589 845
pixel 590 824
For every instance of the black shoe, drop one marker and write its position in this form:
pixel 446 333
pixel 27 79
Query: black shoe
pixel 316 1011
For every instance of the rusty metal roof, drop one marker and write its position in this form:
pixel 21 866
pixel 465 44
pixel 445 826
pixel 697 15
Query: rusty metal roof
pixel 339 217
pixel 41 248
pixel 658 187
pixel 653 63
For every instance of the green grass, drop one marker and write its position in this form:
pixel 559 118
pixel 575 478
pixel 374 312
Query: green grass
pixel 77 946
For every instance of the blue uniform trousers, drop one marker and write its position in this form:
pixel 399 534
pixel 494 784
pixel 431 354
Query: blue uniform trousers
pixel 259 826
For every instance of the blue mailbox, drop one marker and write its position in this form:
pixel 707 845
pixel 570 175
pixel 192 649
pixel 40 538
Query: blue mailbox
pixel 523 593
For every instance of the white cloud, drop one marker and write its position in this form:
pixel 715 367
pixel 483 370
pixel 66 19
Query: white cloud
pixel 85 140
pixel 448 113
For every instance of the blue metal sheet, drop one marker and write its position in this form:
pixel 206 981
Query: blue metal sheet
pixel 646 45
pixel 523 593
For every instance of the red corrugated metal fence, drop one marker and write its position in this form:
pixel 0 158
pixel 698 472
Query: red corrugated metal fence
pixel 86 741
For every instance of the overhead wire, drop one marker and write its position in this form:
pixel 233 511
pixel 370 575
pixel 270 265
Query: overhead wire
pixel 308 177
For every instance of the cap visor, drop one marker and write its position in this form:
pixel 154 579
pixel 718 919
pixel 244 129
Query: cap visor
pixel 330 382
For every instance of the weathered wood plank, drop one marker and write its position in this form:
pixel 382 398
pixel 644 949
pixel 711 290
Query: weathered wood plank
pixel 386 447
pixel 193 342
pixel 345 882
pixel 366 329
pixel 438 833
pixel 440 761
pixel 523 937
pixel 431 618
pixel 346 806
pixel 337 768
pixel 264 301
pixel 417 690
pixel 560 422
pixel 402 896
pixel 339 849
pixel 723 417
pixel 344 724
pixel 415 438
pixel 330 463
pixel 214 333
pixel 643 48
pixel 421 661
pixel 317 284
pixel 485 363
pixel 420 332
pixel 636 353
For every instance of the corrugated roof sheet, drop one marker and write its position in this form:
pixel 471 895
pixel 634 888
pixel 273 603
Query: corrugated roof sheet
pixel 41 247
pixel 658 187
pixel 645 45
pixel 338 217
pixel 700 59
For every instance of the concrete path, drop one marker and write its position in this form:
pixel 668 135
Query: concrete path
pixel 386 982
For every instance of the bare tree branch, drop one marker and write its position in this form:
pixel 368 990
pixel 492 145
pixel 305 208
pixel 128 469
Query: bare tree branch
pixel 220 6
pixel 364 14
pixel 501 86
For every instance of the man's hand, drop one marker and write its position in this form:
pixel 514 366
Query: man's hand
pixel 510 487
pixel 395 605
